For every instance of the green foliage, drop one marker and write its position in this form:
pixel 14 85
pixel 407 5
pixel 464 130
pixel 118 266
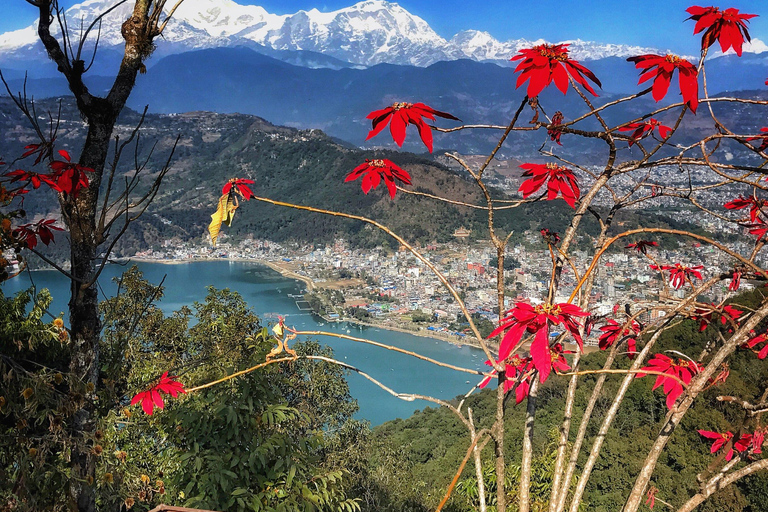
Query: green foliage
pixel 420 316
pixel 255 442
pixel 37 399
pixel 429 446
pixel 542 472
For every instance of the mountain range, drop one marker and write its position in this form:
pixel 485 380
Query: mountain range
pixel 367 33
pixel 327 70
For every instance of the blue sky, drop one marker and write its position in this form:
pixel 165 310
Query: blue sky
pixel 641 22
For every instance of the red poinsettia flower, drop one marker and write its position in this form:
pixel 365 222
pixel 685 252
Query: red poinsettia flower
pixel 70 176
pixel 762 138
pixel 729 27
pixel 661 68
pixel 152 397
pixel 241 187
pixel 553 130
pixel 537 319
pixel 758 438
pixel 29 233
pixel 752 202
pixel 720 441
pixel 560 180
pixel 43 150
pixel 559 363
pixel 545 63
pixel 753 342
pixel 651 499
pixel 642 246
pixel 631 348
pixel 373 171
pixel 735 280
pixel 640 130
pixel 679 274
pixel 400 115
pixel 32 178
pixel 728 314
pixel 683 369
pixel 759 228
pixel 704 316
pixel 551 237
pixel 518 371
pixel 612 331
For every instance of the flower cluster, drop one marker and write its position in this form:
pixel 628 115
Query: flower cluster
pixel 547 63
pixel 679 274
pixel 670 373
pixel 640 130
pixel 560 180
pixel 538 320
pixel 660 68
pixel 400 115
pixel 373 171
pixel 152 397
pixel 728 27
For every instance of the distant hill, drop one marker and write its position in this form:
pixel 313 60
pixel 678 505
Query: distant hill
pixel 302 166
pixel 337 100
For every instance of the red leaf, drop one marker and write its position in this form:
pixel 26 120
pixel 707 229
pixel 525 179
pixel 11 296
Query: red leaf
pixel 661 68
pixel 400 115
pixel 373 171
pixel 547 63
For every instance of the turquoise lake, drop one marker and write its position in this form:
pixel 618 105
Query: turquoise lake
pixel 267 292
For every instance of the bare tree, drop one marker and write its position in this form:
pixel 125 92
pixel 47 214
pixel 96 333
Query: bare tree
pixel 97 215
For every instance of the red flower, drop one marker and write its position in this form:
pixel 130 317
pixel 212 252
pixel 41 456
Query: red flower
pixel 704 315
pixel 642 246
pixel 730 314
pixel 30 232
pixel 537 320
pixel 683 369
pixel 757 441
pixel 612 331
pixel 240 186
pixel 553 131
pixel 735 281
pixel 373 170
pixel 752 202
pixel 763 138
pixel 550 237
pixel 631 348
pixel 758 229
pixel 651 500
pixel 32 178
pixel 518 371
pixel 720 441
pixel 43 151
pixel 70 177
pixel 753 342
pixel 559 180
pixel 640 130
pixel 680 273
pixel 403 114
pixel 728 27
pixel 546 63
pixel 660 68
pixel 151 398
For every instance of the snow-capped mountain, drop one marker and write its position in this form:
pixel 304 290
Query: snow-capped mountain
pixel 367 33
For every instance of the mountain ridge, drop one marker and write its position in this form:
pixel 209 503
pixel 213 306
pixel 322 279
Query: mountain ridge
pixel 366 33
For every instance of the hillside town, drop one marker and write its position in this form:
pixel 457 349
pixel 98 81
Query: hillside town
pixel 394 289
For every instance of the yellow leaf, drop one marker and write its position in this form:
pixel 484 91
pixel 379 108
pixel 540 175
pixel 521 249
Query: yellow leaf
pixel 224 214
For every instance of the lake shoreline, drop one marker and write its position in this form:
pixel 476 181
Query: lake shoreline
pixel 311 286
